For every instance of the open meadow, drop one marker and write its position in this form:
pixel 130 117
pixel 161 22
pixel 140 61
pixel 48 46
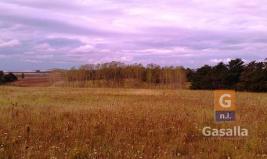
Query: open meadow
pixel 79 123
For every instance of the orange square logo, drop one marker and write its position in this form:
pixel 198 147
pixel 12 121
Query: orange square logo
pixel 224 100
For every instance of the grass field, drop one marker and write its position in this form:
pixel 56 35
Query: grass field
pixel 124 123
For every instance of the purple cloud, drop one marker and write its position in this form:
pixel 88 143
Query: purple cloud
pixel 171 32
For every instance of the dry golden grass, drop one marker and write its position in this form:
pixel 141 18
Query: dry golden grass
pixel 124 123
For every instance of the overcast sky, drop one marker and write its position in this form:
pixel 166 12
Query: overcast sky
pixel 42 34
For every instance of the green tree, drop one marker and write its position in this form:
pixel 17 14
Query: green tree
pixel 254 77
pixel 235 69
pixel 201 78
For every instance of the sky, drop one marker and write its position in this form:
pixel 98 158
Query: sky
pixel 44 34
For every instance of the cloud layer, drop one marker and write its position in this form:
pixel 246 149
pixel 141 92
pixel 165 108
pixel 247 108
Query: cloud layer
pixel 38 34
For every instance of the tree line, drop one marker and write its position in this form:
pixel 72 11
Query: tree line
pixel 6 78
pixel 233 75
pixel 116 74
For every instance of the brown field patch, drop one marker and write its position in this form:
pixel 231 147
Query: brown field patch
pixel 123 123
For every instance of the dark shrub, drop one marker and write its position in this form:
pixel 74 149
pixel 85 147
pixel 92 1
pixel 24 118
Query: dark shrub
pixel 10 78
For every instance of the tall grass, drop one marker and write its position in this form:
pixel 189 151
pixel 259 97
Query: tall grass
pixel 123 123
